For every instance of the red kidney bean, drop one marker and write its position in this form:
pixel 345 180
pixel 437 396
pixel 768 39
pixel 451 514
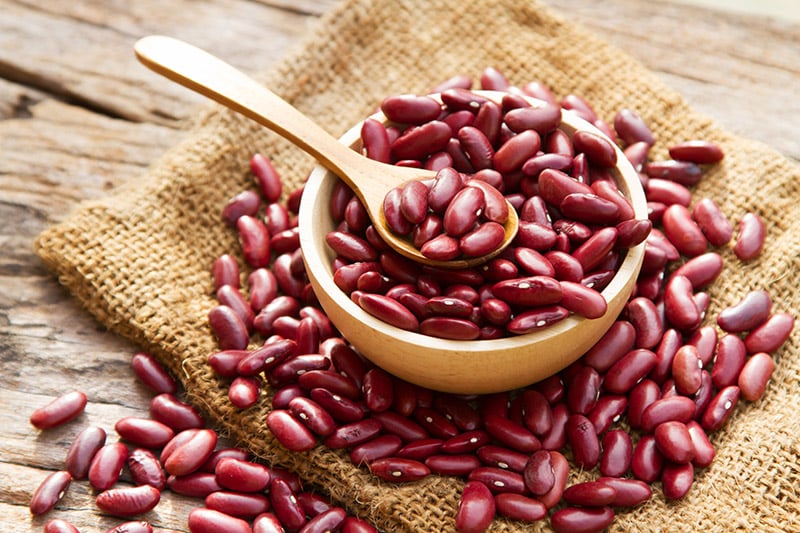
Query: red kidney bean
pixel 598 149
pixel 637 153
pixel 145 469
pixel 238 504
pixel 444 188
pixel 498 480
pixel 770 335
pixel 565 267
pixel 448 306
pixel 331 381
pixel 329 520
pixel 307 336
pixel 590 494
pixel 392 213
pixel 607 411
pixel 143 431
pixel 748 313
pixel 389 310
pixel 678 408
pixel 729 360
pixel 353 434
pixel 594 250
pixel 224 453
pixel 267 178
pixel 630 492
pixel 420 141
pixel 441 248
pixel 194 485
pixel 674 442
pixel 540 91
pixel 290 431
pixel 686 370
pixel 313 504
pixel 436 423
pixel 543 119
pixel 350 246
pixel 538 473
pixel 701 270
pixel 555 185
pixel 583 441
pixel 312 415
pixel 59 411
pixel 679 305
pixel 556 438
pixel 428 229
pixel 703 450
pixel 537 413
pixel 459 411
pixel 230 330
pixel 192 453
pixel 511 434
pixel 482 240
pixel 352 524
pixel 340 408
pixel 647 462
pixel 629 370
pixel 128 501
pixel 677 479
pixel 582 520
pixel 646 320
pixel 639 399
pixel 755 375
pixel 752 233
pixel 720 408
pixel 245 203
pixel 106 465
pixel 452 464
pixel 131 527
pixel 514 152
pixel 580 107
pixel 534 235
pixel 684 173
pixel 519 507
pixel 449 328
pixel 285 505
pixel 683 231
pixel 288 306
pixel 277 219
pixel 376 448
pixel 502 457
pixel 414 201
pixel 617 453
pixel 705 340
pixel 178 415
pixel 282 396
pixel 583 390
pixel 713 222
pixel 536 164
pixel 488 119
pixel 409 108
pixel 243 392
pixel 242 476
pixel 463 211
pixel 476 508
pixel 151 373
pixel 203 520
pixel 82 450
pixel 670 342
pixel 631 128
pixel 267 357
pixel 57 525
pixel 668 192
pixel 582 300
pixel 697 151
pixel 398 469
pixel 616 342
pixel 528 291
pixel 254 240
pixel 49 492
pixel 420 450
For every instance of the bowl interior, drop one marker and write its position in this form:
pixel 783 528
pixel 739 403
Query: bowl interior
pixel 464 367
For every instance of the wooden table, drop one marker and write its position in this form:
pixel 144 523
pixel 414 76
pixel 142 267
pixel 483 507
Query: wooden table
pixel 79 116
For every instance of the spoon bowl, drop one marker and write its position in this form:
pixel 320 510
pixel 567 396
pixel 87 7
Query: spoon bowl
pixel 455 366
pixel 370 180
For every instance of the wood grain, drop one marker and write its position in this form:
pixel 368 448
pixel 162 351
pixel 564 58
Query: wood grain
pixel 79 116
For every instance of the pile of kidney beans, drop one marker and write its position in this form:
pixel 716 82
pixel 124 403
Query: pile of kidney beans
pixel 172 449
pixel 636 411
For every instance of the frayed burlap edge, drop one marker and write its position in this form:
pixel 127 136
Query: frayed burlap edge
pixel 139 260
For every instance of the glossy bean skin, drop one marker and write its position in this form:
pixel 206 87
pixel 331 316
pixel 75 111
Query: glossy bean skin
pixel 498 480
pixel 49 492
pixel 131 527
pixel 697 151
pixel 771 334
pixel 59 411
pixel 512 434
pixel 720 408
pixel 329 520
pixel 629 370
pixel 687 370
pixel 242 476
pixel 290 431
pixel 748 313
pixel 476 508
pixel 701 270
pixel 144 431
pixel 106 465
pixel 617 451
pixel 399 469
pixel 683 231
pixel 239 504
pixel 228 327
pixel 712 222
pixel 57 525
pixel 353 434
pixel 629 492
pixel 674 442
pixel 178 415
pixel 647 462
pixel 679 408
pixel 729 361
pixel 582 520
pixel 676 480
pixel 683 172
pixel 389 310
pixel 646 320
pixel 145 468
pixel 583 441
pixel 203 520
pixel 195 485
pixel 755 375
pixel 615 343
pixel 152 374
pixel 192 453
pixel 128 501
pixel 590 494
pixel 410 108
pixel 752 232
pixel 519 507
pixel 703 449
pixel 538 473
pixel 82 450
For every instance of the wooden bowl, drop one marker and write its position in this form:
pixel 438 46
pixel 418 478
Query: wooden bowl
pixel 464 367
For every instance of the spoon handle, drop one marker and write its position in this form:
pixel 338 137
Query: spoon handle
pixel 208 75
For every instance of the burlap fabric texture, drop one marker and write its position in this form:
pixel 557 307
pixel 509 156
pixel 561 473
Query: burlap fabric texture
pixel 139 260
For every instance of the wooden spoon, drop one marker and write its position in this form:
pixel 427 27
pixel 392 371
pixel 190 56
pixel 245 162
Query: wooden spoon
pixel 370 180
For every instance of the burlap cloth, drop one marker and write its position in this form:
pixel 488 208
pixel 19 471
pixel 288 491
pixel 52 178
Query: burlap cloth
pixel 139 260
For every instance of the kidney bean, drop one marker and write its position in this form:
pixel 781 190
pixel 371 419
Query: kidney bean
pixel 598 149
pixel 329 520
pixel 398 469
pixel 630 492
pixel 340 408
pixel 285 305
pixel 674 442
pixel 419 450
pixel 755 375
pixel 770 335
pixel 450 328
pixel 145 469
pixel 194 485
pixel 353 434
pixel 677 408
pixel 713 222
pixel 228 327
pixel 224 453
pixel 203 520
pixel 629 370
pixel 143 431
pixel 285 505
pixel 312 415
pixel 476 508
pixel 267 177
pixel 482 240
pixel 191 453
pixel 639 399
pixel 82 450
pixel 748 313
pixel 420 141
pixel 453 464
pixel 720 408
pixel 631 128
pixel 590 494
pixel 730 359
pixel 582 300
pixel 677 479
pixel 637 153
pixel 128 501
pixel 683 231
pixel 607 411
pixel 49 492
pixel 583 441
pixel 151 373
pixel 459 411
pixel 752 233
pixel 313 504
pixel 241 476
pixel 685 173
pixel 528 291
pixel 697 151
pixel 591 253
pixel 441 248
pixel 511 434
pixel 647 461
pixel 519 507
pixel 178 415
pixel 617 453
pixel 516 151
pixel 668 192
pixel 701 270
pixel 331 381
pixel 555 185
pixel 646 320
pixel 434 422
pixel 686 370
pixel 498 480
pixel 389 310
pixel 538 473
pixel 580 520
pixel 254 240
pixel 59 411
pixel 243 392
pixel 131 527
pixel 536 236
pixel 679 305
pixel 376 448
pixel 290 431
pixel 106 465
pixel 57 525
pixel 543 119
pixel 409 108
pixel 238 504
pixel 703 450
pixel 616 342
pixel 583 390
